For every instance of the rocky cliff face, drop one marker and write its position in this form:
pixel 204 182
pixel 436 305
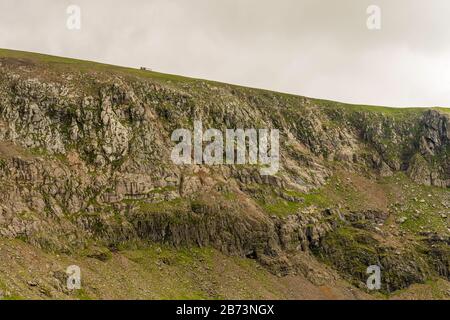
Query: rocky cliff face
pixel 85 158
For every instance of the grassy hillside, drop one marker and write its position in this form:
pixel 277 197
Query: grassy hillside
pixel 86 178
pixel 63 63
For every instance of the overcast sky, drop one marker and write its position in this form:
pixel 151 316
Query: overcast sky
pixel 317 48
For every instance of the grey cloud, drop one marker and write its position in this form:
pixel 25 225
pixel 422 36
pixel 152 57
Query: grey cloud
pixel 318 48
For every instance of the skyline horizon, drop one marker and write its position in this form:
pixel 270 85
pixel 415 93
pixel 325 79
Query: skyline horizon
pixel 382 53
pixel 193 77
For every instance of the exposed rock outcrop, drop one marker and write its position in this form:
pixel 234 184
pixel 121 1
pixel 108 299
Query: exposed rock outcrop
pixel 85 156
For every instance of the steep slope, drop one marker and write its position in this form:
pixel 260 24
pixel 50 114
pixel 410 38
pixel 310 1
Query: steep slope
pixel 85 163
